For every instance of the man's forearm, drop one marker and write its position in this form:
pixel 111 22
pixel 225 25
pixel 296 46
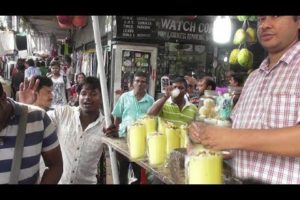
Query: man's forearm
pixel 281 141
pixel 52 175
pixel 156 107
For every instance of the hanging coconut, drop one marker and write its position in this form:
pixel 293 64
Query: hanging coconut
pixel 80 21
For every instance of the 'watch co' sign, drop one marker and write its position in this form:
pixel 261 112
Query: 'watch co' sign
pixel 165 28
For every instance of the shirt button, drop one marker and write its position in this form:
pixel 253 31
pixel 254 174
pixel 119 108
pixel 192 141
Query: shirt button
pixel 77 148
pixel 75 159
pixel 73 171
pixel 71 181
pixel 80 137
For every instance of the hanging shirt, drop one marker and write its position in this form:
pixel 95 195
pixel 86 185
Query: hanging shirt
pixel 7 42
pixel 32 71
pixel 81 149
pixel 129 109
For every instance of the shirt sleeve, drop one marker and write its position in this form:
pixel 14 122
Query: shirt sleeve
pixel 50 140
pixel 119 107
pixel 26 73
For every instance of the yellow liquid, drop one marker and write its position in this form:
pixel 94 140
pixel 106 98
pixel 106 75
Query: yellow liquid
pixel 205 169
pixel 137 141
pixel 161 126
pixel 173 139
pixel 183 137
pixel 157 149
pixel 150 124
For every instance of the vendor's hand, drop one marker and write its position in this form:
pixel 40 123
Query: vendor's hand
pixel 210 137
pixel 27 91
pixel 168 90
pixel 111 131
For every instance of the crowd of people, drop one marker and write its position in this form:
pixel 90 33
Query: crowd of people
pixel 65 123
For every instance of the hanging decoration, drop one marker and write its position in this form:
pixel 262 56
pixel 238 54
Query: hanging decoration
pixel 65 22
pixel 80 21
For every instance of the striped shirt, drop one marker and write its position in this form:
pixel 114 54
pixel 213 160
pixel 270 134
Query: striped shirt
pixel 40 137
pixel 270 99
pixel 171 112
pixel 129 109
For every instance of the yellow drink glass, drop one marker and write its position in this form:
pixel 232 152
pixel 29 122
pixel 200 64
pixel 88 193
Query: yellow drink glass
pixel 156 148
pixel 173 138
pixel 206 168
pixel 137 140
pixel 150 123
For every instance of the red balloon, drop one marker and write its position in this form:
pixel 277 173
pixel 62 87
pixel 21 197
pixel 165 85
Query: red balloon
pixel 80 21
pixel 64 26
pixel 67 20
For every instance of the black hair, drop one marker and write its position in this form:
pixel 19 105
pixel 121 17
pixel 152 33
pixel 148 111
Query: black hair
pixel 140 73
pixel 1 90
pixel 68 59
pixel 44 81
pixel 30 62
pixel 92 82
pixel 20 64
pixel 55 63
pixel 209 81
pixel 238 78
pixel 179 79
pixel 81 73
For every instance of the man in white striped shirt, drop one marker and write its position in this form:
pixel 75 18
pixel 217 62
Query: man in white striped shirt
pixel 40 139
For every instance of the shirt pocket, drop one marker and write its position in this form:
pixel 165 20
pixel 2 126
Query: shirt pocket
pixel 282 110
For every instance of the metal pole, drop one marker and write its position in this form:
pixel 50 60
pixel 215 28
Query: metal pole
pixel 102 77
pixel 106 107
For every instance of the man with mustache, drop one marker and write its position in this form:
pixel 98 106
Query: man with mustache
pixel 264 138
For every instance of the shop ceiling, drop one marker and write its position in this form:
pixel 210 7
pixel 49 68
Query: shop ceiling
pixel 47 25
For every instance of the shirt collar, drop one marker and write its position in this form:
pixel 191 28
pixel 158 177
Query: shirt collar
pixel 286 58
pixel 187 103
pixel 143 99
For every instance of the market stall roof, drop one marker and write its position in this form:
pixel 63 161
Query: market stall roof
pixel 47 25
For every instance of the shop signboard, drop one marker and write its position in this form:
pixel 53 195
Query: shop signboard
pixel 164 29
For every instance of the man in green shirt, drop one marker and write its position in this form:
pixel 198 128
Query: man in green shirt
pixel 175 109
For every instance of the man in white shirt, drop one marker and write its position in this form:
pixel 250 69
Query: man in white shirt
pixel 80 133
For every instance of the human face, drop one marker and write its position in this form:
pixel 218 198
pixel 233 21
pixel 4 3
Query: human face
pixel 190 86
pixel 139 84
pixel 80 79
pixel 44 97
pixel 55 69
pixel 232 82
pixel 90 99
pixel 277 33
pixel 201 86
